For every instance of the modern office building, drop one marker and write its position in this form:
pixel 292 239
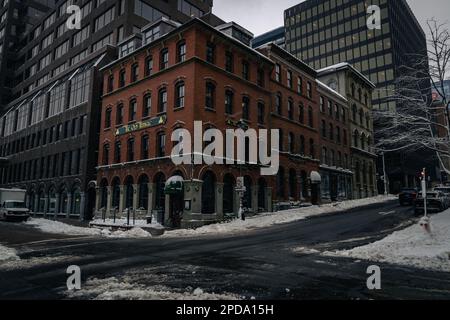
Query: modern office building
pixel 49 127
pixel 17 18
pixel 276 36
pixel 327 32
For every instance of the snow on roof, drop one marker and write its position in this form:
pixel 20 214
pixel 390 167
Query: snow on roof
pixel 344 65
pixel 324 86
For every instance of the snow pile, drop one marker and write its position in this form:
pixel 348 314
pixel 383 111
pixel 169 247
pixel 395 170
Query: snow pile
pixel 123 223
pixel 270 219
pixel 7 254
pixel 113 289
pixel 56 227
pixel 412 246
pixel 132 233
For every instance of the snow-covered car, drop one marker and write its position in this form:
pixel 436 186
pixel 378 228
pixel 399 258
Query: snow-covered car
pixel 446 191
pixel 436 202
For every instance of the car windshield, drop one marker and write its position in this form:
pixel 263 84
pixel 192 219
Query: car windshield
pixel 408 190
pixel 15 205
pixel 445 190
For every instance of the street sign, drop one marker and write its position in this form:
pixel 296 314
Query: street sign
pixel 240 186
pixel 424 189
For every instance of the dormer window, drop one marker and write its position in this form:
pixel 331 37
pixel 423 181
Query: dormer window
pixel 152 34
pixel 126 49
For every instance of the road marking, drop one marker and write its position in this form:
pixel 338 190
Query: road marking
pixel 386 213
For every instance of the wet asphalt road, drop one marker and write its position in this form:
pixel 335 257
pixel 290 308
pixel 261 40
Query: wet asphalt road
pixel 258 264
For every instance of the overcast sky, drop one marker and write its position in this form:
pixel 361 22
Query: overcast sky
pixel 260 16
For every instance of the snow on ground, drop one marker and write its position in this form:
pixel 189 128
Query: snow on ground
pixel 412 246
pixel 7 255
pixel 258 221
pixel 56 227
pixel 115 289
pixel 123 222
pixel 274 218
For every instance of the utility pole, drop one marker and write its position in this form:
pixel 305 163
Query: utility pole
pixel 386 182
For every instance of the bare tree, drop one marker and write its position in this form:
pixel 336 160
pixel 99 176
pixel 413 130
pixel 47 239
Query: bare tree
pixel 419 123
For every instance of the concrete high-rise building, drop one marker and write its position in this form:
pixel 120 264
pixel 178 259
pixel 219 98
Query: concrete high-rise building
pixel 327 32
pixel 50 120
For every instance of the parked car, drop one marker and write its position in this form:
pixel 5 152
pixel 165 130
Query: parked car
pixel 436 202
pixel 446 191
pixel 407 196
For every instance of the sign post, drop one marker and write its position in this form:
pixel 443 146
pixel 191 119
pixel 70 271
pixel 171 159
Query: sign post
pixel 425 221
pixel 240 188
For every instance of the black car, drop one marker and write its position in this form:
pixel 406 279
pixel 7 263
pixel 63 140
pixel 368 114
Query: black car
pixel 407 196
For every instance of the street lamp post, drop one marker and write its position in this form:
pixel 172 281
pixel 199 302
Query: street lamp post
pixel 386 182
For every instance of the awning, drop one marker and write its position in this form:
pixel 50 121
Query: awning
pixel 174 185
pixel 315 177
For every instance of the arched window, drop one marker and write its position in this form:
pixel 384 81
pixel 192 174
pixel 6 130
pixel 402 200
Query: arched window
pixel 209 193
pixel 361 117
pixel 359 95
pixel 119 114
pixel 181 51
pixel 147 106
pixel 324 155
pixel 324 129
pixel 363 141
pixel 246 108
pixel 106 154
pixel 301 113
pixel 130 150
pixel 134 72
pixel 290 109
pixel 292 184
pixel 210 95
pixel 148 66
pixel 291 142
pixel 331 132
pixel 132 110
pixel 145 141
pixel 354 112
pixel 228 193
pixel 312 151
pixel 164 59
pixel 279 104
pixel 143 192
pixel 117 152
pixel 353 89
pixel 310 117
pixel 161 144
pixel 229 97
pixel 129 191
pixel 302 145
pixel 108 118
pixel 355 138
pixel 179 95
pixel 162 100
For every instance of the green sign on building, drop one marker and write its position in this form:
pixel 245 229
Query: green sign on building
pixel 153 122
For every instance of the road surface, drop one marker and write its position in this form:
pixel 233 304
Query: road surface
pixel 259 264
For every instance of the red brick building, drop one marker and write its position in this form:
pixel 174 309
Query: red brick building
pixel 180 74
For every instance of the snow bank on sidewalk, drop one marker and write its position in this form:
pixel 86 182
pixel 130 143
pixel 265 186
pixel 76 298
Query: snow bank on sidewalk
pixel 412 247
pixel 7 254
pixel 56 227
pixel 270 219
pixel 113 289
